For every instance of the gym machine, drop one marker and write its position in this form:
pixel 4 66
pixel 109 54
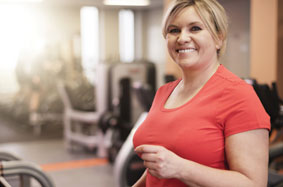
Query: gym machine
pixel 15 172
pixel 123 106
pixel 272 104
pixel 75 120
pixel 116 108
pixel 128 167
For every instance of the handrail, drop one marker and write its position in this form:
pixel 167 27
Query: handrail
pixel 18 167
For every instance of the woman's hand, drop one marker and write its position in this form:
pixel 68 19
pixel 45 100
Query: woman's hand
pixel 160 162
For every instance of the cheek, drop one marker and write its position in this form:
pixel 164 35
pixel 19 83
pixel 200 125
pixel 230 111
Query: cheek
pixel 168 42
pixel 170 46
pixel 207 44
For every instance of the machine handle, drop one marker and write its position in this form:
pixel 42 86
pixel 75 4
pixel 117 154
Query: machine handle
pixel 18 167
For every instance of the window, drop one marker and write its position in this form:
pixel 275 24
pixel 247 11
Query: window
pixel 126 35
pixel 19 34
pixel 89 40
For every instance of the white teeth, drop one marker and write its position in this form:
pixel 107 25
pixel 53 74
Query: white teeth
pixel 186 50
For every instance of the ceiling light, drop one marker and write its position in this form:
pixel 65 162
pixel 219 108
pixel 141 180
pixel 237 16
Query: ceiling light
pixel 127 2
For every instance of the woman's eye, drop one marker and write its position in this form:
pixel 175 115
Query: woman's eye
pixel 173 30
pixel 195 28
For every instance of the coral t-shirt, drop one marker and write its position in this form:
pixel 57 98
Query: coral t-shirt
pixel 197 130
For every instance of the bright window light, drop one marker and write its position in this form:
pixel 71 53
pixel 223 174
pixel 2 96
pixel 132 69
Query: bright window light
pixel 126 35
pixel 20 1
pixel 90 40
pixel 127 2
pixel 20 28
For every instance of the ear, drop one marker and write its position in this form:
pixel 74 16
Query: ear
pixel 218 44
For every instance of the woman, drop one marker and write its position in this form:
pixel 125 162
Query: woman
pixel 207 128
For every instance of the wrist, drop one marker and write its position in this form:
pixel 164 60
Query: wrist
pixel 181 168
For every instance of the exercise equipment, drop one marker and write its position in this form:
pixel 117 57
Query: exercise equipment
pixel 81 127
pixel 18 173
pixel 124 108
pixel 275 179
pixel 128 166
pixel 23 180
pixel 272 103
pixel 18 168
pixel 116 108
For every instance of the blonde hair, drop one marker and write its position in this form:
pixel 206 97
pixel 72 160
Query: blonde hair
pixel 210 11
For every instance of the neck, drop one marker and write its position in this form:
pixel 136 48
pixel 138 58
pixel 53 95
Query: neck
pixel 196 78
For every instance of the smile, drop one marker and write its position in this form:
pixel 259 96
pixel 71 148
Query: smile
pixel 185 50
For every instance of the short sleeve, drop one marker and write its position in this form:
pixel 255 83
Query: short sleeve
pixel 241 110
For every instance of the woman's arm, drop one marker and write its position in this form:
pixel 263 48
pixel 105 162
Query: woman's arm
pixel 247 156
pixel 141 181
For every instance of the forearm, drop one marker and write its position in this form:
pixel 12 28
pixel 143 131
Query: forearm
pixel 142 181
pixel 197 175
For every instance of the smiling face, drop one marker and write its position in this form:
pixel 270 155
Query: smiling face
pixel 189 42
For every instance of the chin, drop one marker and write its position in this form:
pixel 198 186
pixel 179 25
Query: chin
pixel 186 63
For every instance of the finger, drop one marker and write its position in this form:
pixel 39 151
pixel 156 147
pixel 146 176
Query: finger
pixel 149 165
pixel 153 173
pixel 150 157
pixel 147 148
pixel 142 148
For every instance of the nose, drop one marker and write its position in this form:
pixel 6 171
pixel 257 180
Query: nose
pixel 183 37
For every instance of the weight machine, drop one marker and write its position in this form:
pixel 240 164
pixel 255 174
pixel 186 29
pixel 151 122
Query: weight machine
pixel 18 173
pixel 116 108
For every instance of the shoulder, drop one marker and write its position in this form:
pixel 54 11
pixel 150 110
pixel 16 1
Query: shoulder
pixel 240 91
pixel 228 77
pixel 232 85
pixel 239 107
pixel 236 93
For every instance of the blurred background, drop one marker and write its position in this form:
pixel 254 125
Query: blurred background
pixel 44 43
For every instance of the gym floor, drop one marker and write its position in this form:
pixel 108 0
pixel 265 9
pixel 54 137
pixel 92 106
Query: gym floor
pixel 72 169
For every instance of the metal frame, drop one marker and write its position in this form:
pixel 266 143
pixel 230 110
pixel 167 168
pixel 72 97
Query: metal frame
pixel 124 155
pixel 19 168
pixel 92 118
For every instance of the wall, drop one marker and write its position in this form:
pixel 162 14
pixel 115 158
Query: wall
pixel 154 45
pixel 280 49
pixel 238 49
pixel 264 23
